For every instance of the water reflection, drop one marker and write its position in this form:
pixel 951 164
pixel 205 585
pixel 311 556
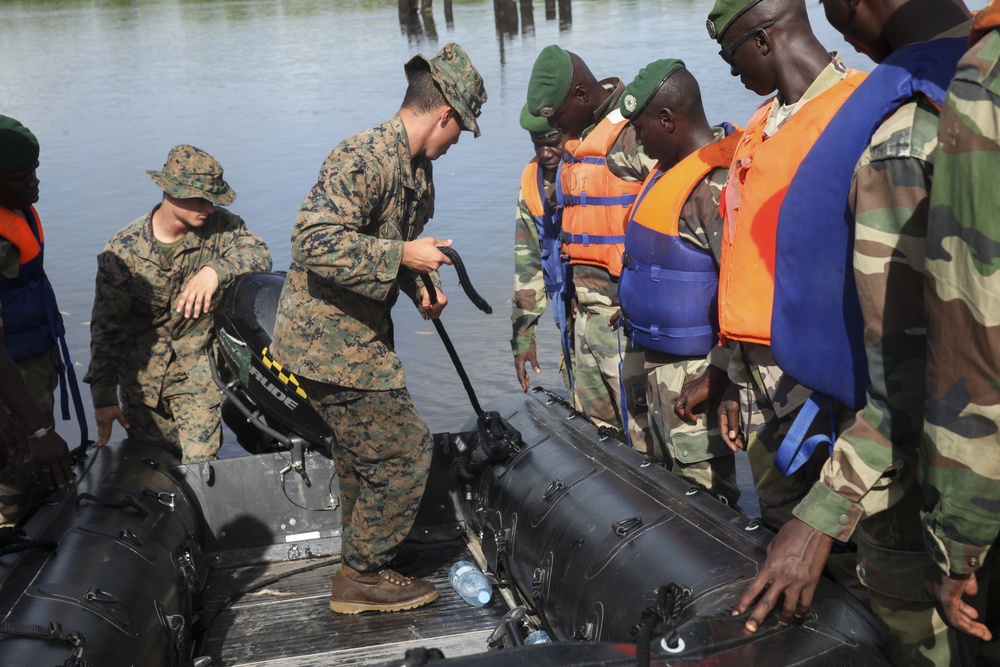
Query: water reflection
pixel 511 17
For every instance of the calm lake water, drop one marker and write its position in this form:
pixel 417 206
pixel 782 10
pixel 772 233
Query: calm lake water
pixel 269 87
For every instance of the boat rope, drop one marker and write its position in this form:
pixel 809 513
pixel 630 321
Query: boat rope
pixel 23 544
pixel 659 619
pixel 53 631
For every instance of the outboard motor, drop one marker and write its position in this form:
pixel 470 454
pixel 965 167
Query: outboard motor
pixel 264 405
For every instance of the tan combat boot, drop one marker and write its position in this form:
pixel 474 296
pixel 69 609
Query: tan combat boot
pixel 353 592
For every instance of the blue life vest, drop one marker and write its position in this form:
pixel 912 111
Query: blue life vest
pixel 32 323
pixel 556 273
pixel 31 320
pixel 668 288
pixel 817 329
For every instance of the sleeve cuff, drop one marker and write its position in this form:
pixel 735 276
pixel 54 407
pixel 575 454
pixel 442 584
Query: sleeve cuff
pixel 104 397
pixel 829 513
pixel 952 556
pixel 521 343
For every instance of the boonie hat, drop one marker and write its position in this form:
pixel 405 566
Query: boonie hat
pixel 191 172
pixel 724 14
pixel 18 146
pixel 536 125
pixel 550 80
pixel 458 80
pixel 642 89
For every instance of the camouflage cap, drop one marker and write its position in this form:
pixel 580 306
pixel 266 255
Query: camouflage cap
pixel 551 77
pixel 18 146
pixel 642 89
pixel 458 79
pixel 536 125
pixel 191 172
pixel 724 14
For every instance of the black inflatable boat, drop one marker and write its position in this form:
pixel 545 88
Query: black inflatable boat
pixel 149 562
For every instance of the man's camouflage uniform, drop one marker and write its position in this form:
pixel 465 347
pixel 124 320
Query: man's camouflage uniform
pixel 653 380
pixel 142 348
pixel 870 483
pixel 596 345
pixel 41 376
pixel 530 299
pixel 334 331
pixel 959 466
pixel 770 399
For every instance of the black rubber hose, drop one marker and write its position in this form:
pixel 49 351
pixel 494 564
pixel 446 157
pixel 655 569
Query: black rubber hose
pixel 463 280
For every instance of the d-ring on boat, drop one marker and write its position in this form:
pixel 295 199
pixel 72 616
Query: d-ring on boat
pixel 151 563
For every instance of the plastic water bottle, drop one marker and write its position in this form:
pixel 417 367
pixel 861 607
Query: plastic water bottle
pixel 537 637
pixel 470 583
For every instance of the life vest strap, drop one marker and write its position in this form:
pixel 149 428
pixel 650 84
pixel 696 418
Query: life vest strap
pixel 796 449
pixel 656 333
pixel 590 239
pixel 583 200
pixel 658 273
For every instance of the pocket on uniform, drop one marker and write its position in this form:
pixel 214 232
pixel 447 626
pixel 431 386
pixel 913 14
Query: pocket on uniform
pixel 147 299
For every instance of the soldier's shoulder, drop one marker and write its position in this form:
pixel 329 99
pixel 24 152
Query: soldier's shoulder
pixel 909 132
pixel 130 236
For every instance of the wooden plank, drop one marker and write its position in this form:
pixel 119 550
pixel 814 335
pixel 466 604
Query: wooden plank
pixel 289 622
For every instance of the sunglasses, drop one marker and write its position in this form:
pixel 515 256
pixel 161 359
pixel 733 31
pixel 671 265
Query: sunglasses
pixel 728 52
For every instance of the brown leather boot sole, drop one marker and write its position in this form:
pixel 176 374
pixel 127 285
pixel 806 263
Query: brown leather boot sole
pixel 345 607
pixel 353 592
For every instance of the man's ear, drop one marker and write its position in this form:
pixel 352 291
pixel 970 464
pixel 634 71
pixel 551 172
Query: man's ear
pixel 444 114
pixel 666 119
pixel 763 41
pixel 580 92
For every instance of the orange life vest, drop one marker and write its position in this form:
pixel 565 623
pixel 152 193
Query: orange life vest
pixel 758 179
pixel 595 202
pixel 16 229
pixel 986 19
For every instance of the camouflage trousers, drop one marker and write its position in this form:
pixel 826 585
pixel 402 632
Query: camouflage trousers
pixel 382 451
pixel 596 349
pixel 187 420
pixel 41 375
pixel 696 452
pixel 891 562
pixel 763 431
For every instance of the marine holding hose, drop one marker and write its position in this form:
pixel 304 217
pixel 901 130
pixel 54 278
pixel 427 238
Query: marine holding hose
pixel 355 245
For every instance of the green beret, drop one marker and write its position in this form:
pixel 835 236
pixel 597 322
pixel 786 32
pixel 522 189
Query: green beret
pixel 536 125
pixel 642 89
pixel 724 14
pixel 457 79
pixel 550 79
pixel 18 146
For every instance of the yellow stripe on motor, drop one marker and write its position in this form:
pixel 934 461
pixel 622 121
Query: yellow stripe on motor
pixel 289 379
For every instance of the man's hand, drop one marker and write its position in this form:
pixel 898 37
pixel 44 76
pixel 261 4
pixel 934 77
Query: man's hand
pixel 520 366
pixel 946 590
pixel 53 466
pixel 422 256
pixel 197 295
pixel 432 310
pixel 729 419
pixel 106 417
pixel 795 560
pixel 616 320
pixel 696 391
